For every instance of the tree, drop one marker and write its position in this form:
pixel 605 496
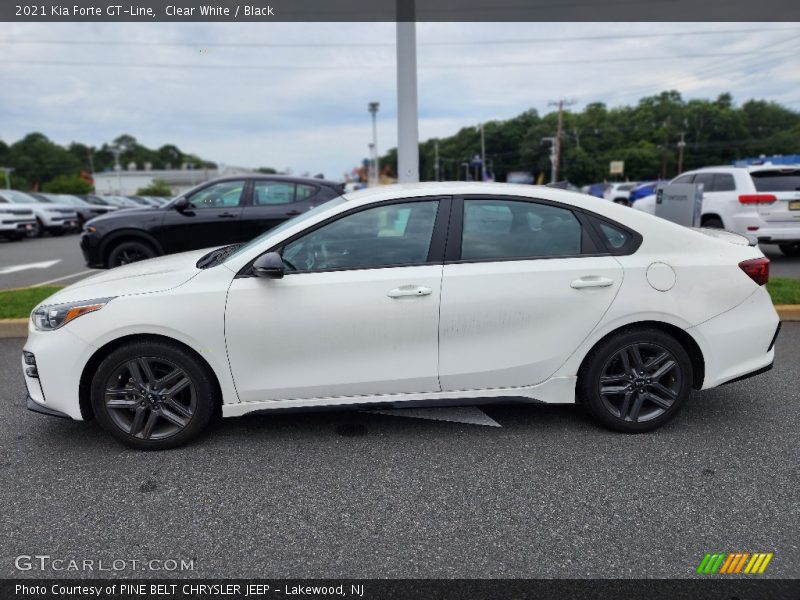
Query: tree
pixel 158 187
pixel 68 184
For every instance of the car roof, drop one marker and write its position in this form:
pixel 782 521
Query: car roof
pixel 286 178
pixel 746 168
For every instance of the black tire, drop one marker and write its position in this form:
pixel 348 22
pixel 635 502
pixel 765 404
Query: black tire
pixel 15 237
pixel 39 229
pixel 622 201
pixel 143 416
pixel 130 251
pixel 610 392
pixel 58 232
pixel 713 223
pixel 791 250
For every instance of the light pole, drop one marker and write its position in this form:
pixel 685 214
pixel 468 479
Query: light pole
pixel 553 157
pixel 116 151
pixel 407 124
pixel 483 154
pixel 7 171
pixel 373 110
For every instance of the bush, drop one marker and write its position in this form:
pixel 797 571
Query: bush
pixel 68 184
pixel 158 187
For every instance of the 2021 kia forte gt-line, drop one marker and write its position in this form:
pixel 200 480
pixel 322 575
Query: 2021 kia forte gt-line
pixel 452 292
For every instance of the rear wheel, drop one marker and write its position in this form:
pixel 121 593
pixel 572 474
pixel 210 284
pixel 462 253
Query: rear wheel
pixel 635 380
pixel 128 252
pixel 791 250
pixel 152 395
pixel 713 223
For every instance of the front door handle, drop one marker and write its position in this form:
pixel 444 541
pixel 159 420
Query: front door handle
pixel 409 290
pixel 294 213
pixel 590 282
pixel 227 215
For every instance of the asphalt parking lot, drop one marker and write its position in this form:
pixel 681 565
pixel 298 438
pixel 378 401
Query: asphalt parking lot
pixel 58 260
pixel 353 494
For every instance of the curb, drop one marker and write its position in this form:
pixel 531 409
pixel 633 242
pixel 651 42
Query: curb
pixel 18 328
pixel 13 328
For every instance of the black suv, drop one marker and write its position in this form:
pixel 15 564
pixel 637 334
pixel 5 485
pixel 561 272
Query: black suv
pixel 216 213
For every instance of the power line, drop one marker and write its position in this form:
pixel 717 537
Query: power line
pixel 490 65
pixel 465 42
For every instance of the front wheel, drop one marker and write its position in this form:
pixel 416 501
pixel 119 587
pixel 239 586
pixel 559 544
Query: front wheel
pixel 153 395
pixel 636 380
pixel 128 252
pixel 791 250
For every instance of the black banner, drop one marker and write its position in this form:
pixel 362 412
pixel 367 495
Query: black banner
pixel 405 589
pixel 399 10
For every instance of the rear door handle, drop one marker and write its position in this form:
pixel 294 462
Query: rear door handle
pixel 409 290
pixel 294 213
pixel 591 281
pixel 227 215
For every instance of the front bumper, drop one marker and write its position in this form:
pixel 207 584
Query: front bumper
pixel 33 406
pixel 90 248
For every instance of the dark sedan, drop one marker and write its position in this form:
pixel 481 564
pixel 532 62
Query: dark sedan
pixel 216 213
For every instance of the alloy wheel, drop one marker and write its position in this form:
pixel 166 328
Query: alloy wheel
pixel 130 255
pixel 150 398
pixel 640 382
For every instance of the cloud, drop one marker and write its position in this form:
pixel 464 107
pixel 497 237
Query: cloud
pixel 294 95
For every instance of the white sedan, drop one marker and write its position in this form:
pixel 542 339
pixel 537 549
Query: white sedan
pixel 457 293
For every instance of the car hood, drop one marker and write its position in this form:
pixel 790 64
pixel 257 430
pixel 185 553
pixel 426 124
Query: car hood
pixel 125 212
pixel 145 277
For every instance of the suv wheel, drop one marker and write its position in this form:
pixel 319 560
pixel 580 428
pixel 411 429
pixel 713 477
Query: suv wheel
pixel 792 250
pixel 713 223
pixel 635 380
pixel 128 252
pixel 152 395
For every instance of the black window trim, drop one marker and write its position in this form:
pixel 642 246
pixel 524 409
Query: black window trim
pixel 436 249
pixel 593 242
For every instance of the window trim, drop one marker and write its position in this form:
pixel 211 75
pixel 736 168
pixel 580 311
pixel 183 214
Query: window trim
pixel 244 197
pixel 435 250
pixel 593 242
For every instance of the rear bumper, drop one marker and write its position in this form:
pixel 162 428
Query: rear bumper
pixel 739 342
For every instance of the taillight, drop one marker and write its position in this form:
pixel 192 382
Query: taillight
pixel 757 269
pixel 757 198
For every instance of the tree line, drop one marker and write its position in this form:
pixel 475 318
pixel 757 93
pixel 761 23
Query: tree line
pixel 41 164
pixel 646 136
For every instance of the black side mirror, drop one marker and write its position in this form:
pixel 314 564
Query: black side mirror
pixel 181 204
pixel 269 265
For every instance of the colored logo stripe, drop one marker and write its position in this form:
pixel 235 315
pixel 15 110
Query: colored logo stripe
pixel 734 562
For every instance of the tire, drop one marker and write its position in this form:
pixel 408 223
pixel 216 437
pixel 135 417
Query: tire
pixel 153 395
pixel 622 201
pixel 611 391
pixel 57 232
pixel 713 223
pixel 39 230
pixel 791 250
pixel 130 251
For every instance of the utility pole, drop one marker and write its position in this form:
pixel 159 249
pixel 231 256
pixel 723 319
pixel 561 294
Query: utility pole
pixel 407 123
pixel 664 151
pixel 483 154
pixel 7 171
pixel 373 110
pixel 557 144
pixel 436 160
pixel 552 142
pixel 681 146
pixel 116 151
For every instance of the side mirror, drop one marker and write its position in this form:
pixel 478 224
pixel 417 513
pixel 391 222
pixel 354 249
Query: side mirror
pixel 269 265
pixel 181 204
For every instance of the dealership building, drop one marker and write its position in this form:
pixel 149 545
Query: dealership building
pixel 126 182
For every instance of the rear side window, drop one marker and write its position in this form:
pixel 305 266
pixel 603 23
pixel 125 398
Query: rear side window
pixel 505 229
pixel 617 238
pixel 723 182
pixel 707 179
pixel 777 181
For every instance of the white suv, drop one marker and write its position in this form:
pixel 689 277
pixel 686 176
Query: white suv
pixel 620 192
pixel 53 218
pixel 762 201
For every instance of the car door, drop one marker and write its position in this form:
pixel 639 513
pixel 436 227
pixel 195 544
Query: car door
pixel 357 312
pixel 274 202
pixel 210 219
pixel 523 285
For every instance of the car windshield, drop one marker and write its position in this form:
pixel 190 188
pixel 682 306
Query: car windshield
pixel 286 224
pixel 19 197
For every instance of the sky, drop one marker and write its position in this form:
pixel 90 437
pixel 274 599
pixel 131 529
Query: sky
pixel 294 95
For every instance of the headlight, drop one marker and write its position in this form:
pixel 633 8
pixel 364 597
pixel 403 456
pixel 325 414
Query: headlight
pixel 48 318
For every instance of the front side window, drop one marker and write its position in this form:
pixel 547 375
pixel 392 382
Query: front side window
pixel 268 193
pixel 685 178
pixel 707 179
pixel 225 194
pixel 503 229
pixel 388 235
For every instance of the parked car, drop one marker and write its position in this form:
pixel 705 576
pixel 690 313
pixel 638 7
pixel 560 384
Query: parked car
pixel 597 189
pixel 85 210
pixel 457 292
pixel 223 211
pixel 620 192
pixel 55 219
pixel 119 201
pixel 15 221
pixel 762 201
pixel 641 190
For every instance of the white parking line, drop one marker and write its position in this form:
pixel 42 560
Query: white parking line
pixel 37 265
pixel 62 278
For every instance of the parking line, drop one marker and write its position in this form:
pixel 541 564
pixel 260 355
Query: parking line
pixel 63 278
